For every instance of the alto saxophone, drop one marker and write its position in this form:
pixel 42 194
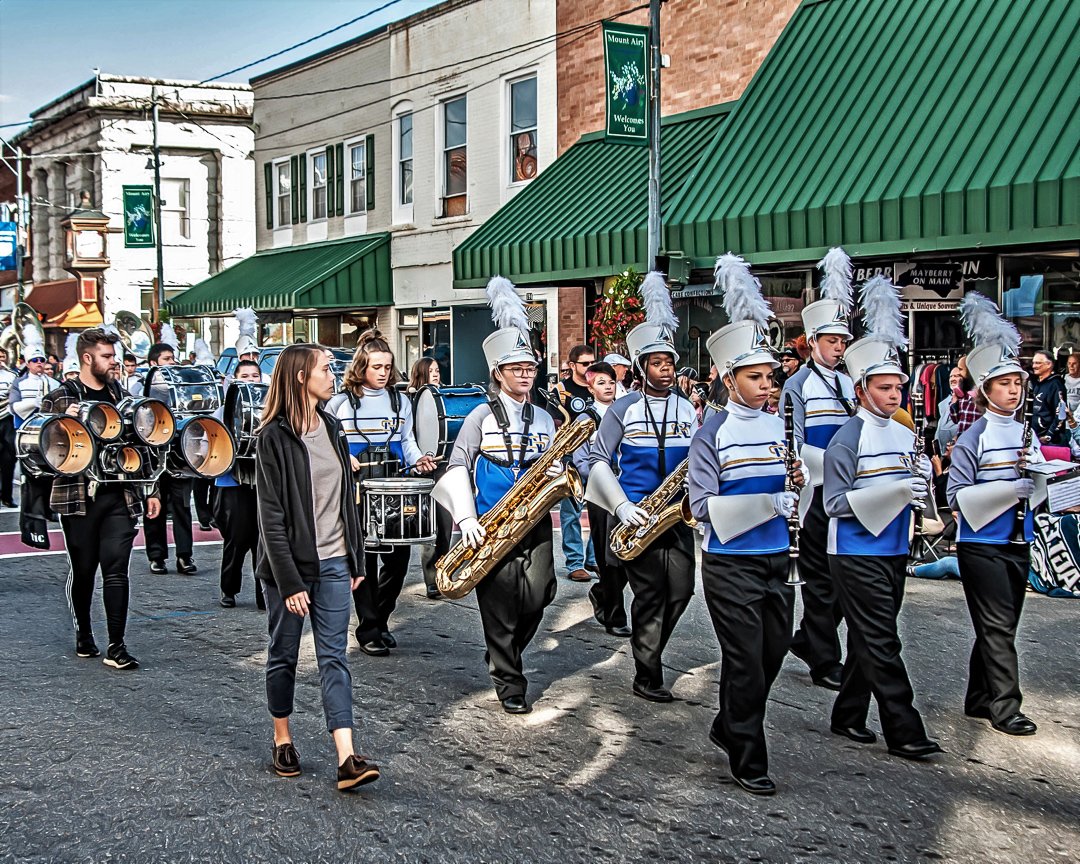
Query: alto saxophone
pixel 629 541
pixel 518 511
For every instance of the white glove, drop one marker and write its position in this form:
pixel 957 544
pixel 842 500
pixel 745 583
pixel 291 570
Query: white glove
pixel 919 489
pixel 630 514
pixel 1024 487
pixel 472 532
pixel 784 503
pixel 555 469
pixel 925 467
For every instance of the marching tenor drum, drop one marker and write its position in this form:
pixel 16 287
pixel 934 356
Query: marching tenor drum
pixel 397 511
pixel 54 444
pixel 243 414
pixel 438 414
pixel 184 389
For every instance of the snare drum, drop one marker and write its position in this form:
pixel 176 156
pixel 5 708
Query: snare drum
pixel 438 414
pixel 398 511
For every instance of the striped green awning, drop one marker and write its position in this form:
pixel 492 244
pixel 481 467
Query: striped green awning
pixel 586 214
pixel 336 274
pixel 897 126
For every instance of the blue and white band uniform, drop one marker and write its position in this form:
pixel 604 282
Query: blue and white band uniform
pixel 988 451
pixel 739 452
pixel 817 413
pixel 373 422
pixel 868 451
pixel 627 440
pixel 481 447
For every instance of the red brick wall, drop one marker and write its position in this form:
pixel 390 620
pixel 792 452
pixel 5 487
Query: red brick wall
pixel 715 47
pixel 571 321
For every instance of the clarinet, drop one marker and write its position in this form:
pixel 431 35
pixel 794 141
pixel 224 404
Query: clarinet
pixel 789 486
pixel 918 416
pixel 1019 534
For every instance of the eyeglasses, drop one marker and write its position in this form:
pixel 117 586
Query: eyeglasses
pixel 521 371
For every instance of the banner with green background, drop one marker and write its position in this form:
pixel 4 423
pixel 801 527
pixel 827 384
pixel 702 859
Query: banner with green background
pixel 626 63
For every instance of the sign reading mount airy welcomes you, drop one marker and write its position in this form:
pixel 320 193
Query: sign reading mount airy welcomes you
pixel 626 64
pixel 138 216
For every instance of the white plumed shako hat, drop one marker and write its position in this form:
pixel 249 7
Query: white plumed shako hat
pixel 743 341
pixel 997 341
pixel 657 333
pixel 510 342
pixel 877 353
pixel 830 315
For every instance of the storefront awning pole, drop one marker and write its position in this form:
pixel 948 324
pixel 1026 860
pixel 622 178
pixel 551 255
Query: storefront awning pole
pixel 654 132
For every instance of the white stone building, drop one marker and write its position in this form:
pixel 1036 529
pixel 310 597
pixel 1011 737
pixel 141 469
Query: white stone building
pixel 97 138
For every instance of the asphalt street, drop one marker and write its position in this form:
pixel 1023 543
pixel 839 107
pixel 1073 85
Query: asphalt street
pixel 171 763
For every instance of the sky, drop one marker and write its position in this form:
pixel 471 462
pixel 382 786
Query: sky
pixel 48 47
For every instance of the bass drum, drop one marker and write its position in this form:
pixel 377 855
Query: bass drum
pixel 438 414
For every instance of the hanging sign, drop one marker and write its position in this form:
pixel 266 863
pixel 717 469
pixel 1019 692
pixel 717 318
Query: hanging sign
pixel 929 281
pixel 8 245
pixel 626 64
pixel 138 217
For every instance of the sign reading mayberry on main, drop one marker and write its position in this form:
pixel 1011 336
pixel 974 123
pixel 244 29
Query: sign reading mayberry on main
pixel 626 58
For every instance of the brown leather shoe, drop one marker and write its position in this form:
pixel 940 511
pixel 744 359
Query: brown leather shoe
pixel 580 575
pixel 356 771
pixel 286 760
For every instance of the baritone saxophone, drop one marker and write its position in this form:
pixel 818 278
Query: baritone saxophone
pixel 518 511
pixel 629 541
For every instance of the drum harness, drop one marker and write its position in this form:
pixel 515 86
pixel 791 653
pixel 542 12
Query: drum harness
pixel 77 389
pixel 498 411
pixel 368 467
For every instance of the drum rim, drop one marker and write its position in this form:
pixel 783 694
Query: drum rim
pixel 397 484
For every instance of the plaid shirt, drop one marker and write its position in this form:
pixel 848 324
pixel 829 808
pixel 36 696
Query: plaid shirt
pixel 69 494
pixel 964 412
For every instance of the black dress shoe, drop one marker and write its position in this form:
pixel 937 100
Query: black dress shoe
pixel 186 566
pixel 375 648
pixel 388 640
pixel 762 785
pixel 858 734
pixel 622 631
pixel 433 593
pixel 228 600
pixel 158 566
pixel 1016 724
pixel 916 749
pixel 516 705
pixel 653 694
pixel 830 680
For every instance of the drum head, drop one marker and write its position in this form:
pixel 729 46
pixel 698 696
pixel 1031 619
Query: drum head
pixel 429 421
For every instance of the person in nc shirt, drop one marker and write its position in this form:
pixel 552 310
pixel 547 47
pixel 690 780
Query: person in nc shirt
pixel 869 489
pixel 992 553
pixel 498 442
pixel 737 489
pixel 378 421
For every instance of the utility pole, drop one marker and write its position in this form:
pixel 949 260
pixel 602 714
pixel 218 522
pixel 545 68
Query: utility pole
pixel 655 226
pixel 160 294
pixel 19 223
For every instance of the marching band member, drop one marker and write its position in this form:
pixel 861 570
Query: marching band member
pixel 994 555
pixel 822 399
pixel 644 436
pixel 737 481
pixel 378 421
pixel 497 443
pixel 98 520
pixel 425 371
pixel 872 479
pixel 26 393
pixel 7 435
pixel 237 516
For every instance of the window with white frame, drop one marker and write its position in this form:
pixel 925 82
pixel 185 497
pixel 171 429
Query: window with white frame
pixel 357 177
pixel 405 159
pixel 318 185
pixel 455 156
pixel 523 130
pixel 283 193
pixel 175 218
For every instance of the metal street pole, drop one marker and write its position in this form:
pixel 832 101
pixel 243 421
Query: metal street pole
pixel 655 225
pixel 157 207
pixel 19 245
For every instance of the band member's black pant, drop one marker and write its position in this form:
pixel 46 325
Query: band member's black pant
pixel 606 594
pixel 512 599
pixel 432 552
pixel 662 579
pixel 871 591
pixel 816 641
pixel 202 491
pixel 7 458
pixel 752 607
pixel 377 595
pixel 176 500
pixel 102 538
pixel 236 511
pixel 995 580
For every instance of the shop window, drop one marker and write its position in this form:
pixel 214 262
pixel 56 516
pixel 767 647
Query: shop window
pixel 1040 294
pixel 523 130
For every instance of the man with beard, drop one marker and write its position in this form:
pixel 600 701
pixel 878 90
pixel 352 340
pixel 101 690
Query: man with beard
pixel 99 520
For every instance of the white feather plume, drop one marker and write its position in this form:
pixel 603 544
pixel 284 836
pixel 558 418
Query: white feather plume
pixel 32 341
pixel 246 318
pixel 657 301
pixel 984 325
pixel 836 281
pixel 741 290
pixel 881 312
pixel 507 310
pixel 168 336
pixel 203 355
pixel 111 328
pixel 69 345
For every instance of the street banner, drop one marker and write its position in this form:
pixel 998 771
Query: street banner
pixel 138 217
pixel 626 64
pixel 8 245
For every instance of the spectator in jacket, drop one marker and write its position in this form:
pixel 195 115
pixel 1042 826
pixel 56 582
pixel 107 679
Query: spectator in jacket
pixel 1048 391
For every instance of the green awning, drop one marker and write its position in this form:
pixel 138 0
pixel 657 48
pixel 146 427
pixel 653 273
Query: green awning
pixel 336 274
pixel 586 214
pixel 897 126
